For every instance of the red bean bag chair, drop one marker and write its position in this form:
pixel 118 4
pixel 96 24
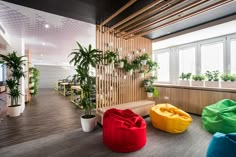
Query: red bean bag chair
pixel 123 130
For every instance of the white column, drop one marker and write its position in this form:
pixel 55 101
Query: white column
pixel 23 79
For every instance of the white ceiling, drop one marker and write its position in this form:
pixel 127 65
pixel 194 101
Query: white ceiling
pixel 51 45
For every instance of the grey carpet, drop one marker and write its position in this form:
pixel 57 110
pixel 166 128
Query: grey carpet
pixel 192 143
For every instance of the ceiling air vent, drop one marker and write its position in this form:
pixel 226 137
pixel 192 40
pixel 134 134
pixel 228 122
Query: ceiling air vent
pixel 2 29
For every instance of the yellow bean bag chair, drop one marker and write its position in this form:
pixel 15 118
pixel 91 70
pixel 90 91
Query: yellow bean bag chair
pixel 169 118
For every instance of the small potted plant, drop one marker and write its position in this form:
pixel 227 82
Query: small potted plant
pixel 141 73
pixel 15 65
pixel 144 58
pixel 185 79
pixel 152 65
pixel 212 78
pixel 228 81
pixel 121 63
pixel 198 80
pixel 151 91
pixel 110 58
pixel 136 64
pixel 128 68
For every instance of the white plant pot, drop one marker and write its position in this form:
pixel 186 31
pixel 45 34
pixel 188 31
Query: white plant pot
pixel 141 75
pixel 31 91
pixel 14 111
pixel 31 84
pixel 228 84
pixel 149 94
pixel 212 83
pixel 130 72
pixel 121 65
pixel 144 62
pixel 184 82
pixel 198 83
pixel 88 124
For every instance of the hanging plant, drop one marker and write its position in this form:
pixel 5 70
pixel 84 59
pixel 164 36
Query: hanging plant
pixel 144 58
pixel 152 65
pixel 110 57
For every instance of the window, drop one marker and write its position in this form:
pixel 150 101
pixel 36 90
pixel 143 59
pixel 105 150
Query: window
pixel 187 60
pixel 212 57
pixel 1 72
pixel 233 56
pixel 163 59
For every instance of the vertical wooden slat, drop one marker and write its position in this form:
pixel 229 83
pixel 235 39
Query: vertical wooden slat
pixel 123 90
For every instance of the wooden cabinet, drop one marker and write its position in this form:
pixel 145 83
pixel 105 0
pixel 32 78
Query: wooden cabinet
pixel 192 100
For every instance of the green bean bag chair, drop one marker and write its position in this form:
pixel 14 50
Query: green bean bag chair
pixel 220 117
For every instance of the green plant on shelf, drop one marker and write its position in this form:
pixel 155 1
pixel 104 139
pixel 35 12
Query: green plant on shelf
pixel 212 76
pixel 186 76
pixel 225 77
pixel 233 77
pixel 198 77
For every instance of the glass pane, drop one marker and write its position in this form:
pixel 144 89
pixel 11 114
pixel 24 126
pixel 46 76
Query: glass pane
pixel 163 59
pixel 187 63
pixel 233 56
pixel 1 72
pixel 212 57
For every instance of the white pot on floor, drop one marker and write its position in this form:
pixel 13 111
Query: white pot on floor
pixel 14 111
pixel 88 124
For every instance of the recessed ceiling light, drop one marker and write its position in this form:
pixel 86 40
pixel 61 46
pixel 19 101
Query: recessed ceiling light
pixel 43 44
pixel 168 32
pixel 41 55
pixel 46 26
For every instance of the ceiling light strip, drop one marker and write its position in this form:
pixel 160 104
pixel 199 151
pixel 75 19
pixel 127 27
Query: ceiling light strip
pixel 137 13
pixel 163 18
pixel 215 5
pixel 118 12
pixel 144 15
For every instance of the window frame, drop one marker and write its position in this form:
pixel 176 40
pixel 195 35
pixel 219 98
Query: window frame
pixel 228 51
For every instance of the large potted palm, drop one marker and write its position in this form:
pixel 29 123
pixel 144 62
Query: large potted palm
pixel 15 65
pixel 83 58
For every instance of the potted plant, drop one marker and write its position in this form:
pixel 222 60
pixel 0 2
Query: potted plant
pixel 185 79
pixel 213 78
pixel 151 91
pixel 83 59
pixel 144 58
pixel 152 65
pixel 121 63
pixel 15 65
pixel 141 73
pixel 198 80
pixel 128 67
pixel 228 81
pixel 34 80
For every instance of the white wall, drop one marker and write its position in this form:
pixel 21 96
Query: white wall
pixel 49 74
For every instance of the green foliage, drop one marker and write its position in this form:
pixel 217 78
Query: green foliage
pixel 83 58
pixel 233 77
pixel 15 65
pixel 34 79
pixel 225 77
pixel 137 63
pixel 110 57
pixel 149 89
pixel 212 76
pixel 184 76
pixel 152 65
pixel 198 77
pixel 144 56
pixel 128 66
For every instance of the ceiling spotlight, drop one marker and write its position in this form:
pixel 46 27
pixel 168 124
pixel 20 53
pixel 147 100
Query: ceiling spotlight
pixel 46 26
pixel 43 44
pixel 41 55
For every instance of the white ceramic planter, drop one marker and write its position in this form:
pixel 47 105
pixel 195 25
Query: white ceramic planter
pixel 14 111
pixel 228 84
pixel 212 84
pixel 184 82
pixel 141 75
pixel 121 65
pixel 198 83
pixel 31 91
pixel 149 94
pixel 144 62
pixel 130 72
pixel 88 124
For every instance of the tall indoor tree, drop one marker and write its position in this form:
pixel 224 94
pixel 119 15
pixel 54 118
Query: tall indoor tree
pixel 84 59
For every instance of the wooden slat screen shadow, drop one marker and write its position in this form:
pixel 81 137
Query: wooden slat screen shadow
pixel 113 88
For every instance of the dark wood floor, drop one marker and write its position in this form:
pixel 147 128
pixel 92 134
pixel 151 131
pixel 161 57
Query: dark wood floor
pixel 48 113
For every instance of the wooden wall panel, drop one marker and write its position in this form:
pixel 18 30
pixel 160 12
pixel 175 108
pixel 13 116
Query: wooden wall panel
pixel 191 100
pixel 118 87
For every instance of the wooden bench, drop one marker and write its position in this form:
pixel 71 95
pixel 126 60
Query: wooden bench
pixel 141 107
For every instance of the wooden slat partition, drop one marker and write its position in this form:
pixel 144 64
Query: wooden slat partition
pixel 118 87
